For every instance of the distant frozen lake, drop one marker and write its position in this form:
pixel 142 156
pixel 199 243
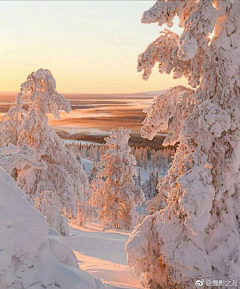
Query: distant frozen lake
pixel 73 141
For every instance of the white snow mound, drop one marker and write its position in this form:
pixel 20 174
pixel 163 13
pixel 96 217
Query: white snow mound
pixel 26 260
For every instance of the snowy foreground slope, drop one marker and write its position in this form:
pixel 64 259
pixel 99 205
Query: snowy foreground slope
pixel 28 258
pixel 102 254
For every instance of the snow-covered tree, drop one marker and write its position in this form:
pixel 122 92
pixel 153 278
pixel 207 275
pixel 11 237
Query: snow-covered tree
pixel 197 234
pixel 114 192
pixel 150 186
pixel 63 183
pixel 137 178
pixel 159 201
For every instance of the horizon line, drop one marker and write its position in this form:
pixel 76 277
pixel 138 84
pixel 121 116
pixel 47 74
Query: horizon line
pixel 82 93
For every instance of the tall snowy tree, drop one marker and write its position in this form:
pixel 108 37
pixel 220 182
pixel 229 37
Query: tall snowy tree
pixel 197 235
pixel 159 201
pixel 64 183
pixel 150 186
pixel 114 192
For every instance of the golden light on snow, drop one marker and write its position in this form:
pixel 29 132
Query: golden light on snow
pixel 211 35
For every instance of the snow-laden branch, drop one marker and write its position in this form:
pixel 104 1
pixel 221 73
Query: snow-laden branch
pixel 198 26
pixel 163 11
pixel 167 113
pixel 165 51
pixel 160 51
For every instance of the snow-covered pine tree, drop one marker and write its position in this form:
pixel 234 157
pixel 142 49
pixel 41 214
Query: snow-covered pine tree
pixel 150 186
pixel 114 192
pixel 159 201
pixel 64 183
pixel 138 178
pixel 197 234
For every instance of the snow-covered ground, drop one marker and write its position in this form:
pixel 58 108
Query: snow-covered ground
pixel 87 164
pixel 102 254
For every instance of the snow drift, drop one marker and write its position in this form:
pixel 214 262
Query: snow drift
pixel 26 259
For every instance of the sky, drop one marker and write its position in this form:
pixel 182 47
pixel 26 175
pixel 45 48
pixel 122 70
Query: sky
pixel 89 46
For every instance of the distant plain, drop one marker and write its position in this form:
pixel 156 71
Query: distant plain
pixel 95 113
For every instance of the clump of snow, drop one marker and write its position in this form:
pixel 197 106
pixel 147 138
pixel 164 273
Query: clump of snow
pixel 188 48
pixel 167 114
pixel 214 118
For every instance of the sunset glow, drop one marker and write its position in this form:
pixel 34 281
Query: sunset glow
pixel 90 46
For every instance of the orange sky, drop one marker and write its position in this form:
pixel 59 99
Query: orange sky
pixel 89 46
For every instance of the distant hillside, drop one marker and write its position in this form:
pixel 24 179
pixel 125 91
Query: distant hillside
pixel 135 139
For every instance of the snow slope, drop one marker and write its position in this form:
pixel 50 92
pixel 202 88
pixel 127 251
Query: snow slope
pixel 28 259
pixel 102 254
